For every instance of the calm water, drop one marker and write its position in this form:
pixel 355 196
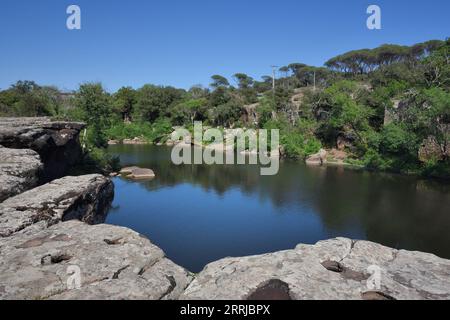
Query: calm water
pixel 198 214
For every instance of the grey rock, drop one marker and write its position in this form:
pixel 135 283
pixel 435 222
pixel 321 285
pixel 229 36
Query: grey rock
pixel 431 150
pixel 128 170
pixel 19 171
pixel 335 269
pixel 319 158
pixel 85 198
pixel 137 173
pixel 55 141
pixel 113 263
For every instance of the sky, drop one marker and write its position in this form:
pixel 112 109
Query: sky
pixel 182 43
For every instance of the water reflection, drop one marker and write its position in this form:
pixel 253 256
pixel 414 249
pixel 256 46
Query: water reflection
pixel 199 213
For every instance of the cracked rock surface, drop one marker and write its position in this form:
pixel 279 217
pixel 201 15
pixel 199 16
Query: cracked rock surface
pixel 333 269
pixel 19 171
pixel 113 262
pixel 86 198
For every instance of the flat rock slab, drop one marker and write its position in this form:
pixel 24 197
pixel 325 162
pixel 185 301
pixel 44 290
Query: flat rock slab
pixel 137 173
pixel 19 171
pixel 128 170
pixel 86 198
pixel 73 260
pixel 141 173
pixel 333 269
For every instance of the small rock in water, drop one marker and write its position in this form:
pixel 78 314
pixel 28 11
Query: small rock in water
pixel 137 173
pixel 128 170
pixel 141 173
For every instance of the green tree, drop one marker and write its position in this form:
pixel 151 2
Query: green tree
pixel 219 81
pixel 154 102
pixel 95 103
pixel 26 98
pixel 190 111
pixel 124 102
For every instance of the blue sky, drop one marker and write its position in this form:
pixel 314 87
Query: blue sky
pixel 182 43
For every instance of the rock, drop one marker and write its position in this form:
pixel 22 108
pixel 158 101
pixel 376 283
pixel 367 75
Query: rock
pixel 250 114
pixel 128 170
pixel 85 198
pixel 19 171
pixel 141 173
pixel 55 141
pixel 319 158
pixel 113 142
pixel 338 155
pixel 335 269
pixel 430 150
pixel 345 140
pixel 390 112
pixel 112 263
pixel 137 173
pixel 136 140
pixel 220 147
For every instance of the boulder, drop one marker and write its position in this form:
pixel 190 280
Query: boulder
pixel 137 173
pixel 86 198
pixel 345 141
pixel 337 269
pixel 19 171
pixel 72 260
pixel 128 170
pixel 430 150
pixel 141 173
pixel 319 158
pixel 56 142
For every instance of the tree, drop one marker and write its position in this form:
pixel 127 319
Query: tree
pixel 243 81
pixel 219 81
pixel 294 67
pixel 124 101
pixel 26 98
pixel 436 67
pixel 154 102
pixel 198 91
pixel 245 85
pixel 94 102
pixel 285 70
pixel 227 114
pixel 190 110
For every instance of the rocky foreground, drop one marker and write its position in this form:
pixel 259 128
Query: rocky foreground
pixel 54 245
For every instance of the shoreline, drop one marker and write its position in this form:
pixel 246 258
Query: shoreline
pixel 58 226
pixel 332 164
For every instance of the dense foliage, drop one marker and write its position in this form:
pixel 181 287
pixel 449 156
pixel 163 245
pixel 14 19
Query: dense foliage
pixel 388 108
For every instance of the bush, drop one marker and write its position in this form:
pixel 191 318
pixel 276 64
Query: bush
pixel 156 132
pixel 373 160
pixel 298 141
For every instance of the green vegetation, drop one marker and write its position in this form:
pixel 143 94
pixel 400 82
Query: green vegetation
pixel 151 133
pixel 387 108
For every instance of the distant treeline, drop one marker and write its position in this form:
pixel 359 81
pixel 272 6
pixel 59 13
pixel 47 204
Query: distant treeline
pixel 389 107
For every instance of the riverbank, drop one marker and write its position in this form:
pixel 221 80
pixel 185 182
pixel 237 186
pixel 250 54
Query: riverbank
pixel 54 246
pixel 331 156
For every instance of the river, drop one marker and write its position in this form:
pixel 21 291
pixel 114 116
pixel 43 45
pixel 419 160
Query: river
pixel 199 213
